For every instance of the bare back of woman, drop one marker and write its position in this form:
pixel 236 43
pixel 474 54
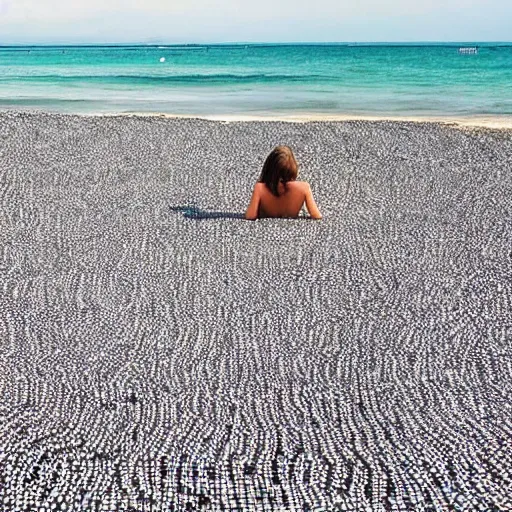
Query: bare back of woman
pixel 277 193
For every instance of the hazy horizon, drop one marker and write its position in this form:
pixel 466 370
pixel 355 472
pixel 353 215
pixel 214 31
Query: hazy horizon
pixel 256 43
pixel 58 22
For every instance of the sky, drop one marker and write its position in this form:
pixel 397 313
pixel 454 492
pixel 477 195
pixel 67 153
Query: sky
pixel 220 21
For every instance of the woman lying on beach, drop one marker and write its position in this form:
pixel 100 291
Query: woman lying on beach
pixel 277 193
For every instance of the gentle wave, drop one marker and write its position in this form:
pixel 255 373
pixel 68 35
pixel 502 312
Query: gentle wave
pixel 188 79
pixel 44 101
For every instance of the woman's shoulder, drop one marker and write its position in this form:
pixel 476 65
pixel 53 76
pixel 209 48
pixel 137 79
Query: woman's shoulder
pixel 303 185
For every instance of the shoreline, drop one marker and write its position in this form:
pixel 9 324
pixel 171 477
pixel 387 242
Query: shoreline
pixel 485 121
pixel 463 121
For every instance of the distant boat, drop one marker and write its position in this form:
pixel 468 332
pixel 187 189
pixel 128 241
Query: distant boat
pixel 469 50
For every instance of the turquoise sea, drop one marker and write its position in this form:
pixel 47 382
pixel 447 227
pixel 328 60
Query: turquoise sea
pixel 261 79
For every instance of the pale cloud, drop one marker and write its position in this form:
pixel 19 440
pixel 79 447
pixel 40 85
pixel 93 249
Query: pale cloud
pixel 262 20
pixel 54 10
pixel 5 6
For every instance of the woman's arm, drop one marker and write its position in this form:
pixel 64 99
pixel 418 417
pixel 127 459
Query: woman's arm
pixel 252 209
pixel 311 205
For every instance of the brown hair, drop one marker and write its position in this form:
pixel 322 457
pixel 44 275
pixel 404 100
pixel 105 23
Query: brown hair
pixel 280 165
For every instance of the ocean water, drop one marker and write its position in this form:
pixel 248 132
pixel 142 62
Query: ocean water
pixel 331 79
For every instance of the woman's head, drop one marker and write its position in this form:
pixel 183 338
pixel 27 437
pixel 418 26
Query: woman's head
pixel 280 166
